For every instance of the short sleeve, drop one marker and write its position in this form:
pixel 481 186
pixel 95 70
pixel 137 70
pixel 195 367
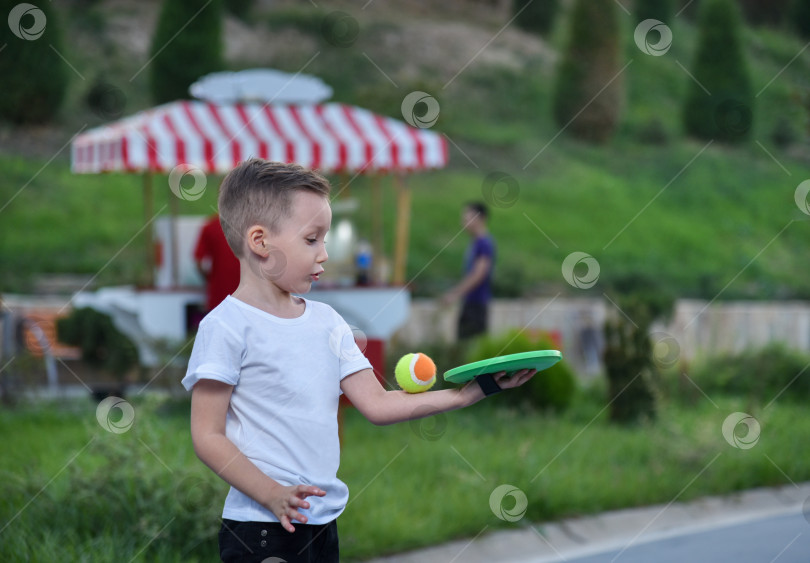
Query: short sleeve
pixel 217 354
pixel 342 343
pixel 484 247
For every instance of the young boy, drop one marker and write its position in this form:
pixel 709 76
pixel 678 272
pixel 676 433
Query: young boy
pixel 268 367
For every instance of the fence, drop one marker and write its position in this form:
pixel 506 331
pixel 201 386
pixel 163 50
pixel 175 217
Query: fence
pixel 697 328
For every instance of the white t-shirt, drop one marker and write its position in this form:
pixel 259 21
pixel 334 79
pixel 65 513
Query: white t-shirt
pixel 286 375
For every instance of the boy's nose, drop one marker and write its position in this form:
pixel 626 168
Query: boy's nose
pixel 323 256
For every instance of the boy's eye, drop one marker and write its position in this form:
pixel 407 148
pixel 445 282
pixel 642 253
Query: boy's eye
pixel 312 240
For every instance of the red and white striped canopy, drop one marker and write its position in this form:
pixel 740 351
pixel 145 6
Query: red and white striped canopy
pixel 330 137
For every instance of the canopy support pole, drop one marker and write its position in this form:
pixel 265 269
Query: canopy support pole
pixel 378 275
pixel 148 216
pixel 344 191
pixel 174 211
pixel 403 229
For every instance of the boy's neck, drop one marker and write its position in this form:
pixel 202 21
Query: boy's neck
pixel 267 296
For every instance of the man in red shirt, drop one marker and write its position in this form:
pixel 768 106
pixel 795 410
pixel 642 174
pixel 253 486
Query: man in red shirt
pixel 216 262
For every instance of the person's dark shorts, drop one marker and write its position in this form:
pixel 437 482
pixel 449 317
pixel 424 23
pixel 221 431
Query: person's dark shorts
pixel 472 320
pixel 255 542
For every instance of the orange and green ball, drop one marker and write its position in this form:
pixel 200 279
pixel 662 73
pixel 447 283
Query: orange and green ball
pixel 415 373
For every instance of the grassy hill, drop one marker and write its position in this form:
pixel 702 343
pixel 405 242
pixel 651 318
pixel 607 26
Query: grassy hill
pixel 703 218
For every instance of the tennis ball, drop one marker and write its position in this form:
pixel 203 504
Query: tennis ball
pixel 415 373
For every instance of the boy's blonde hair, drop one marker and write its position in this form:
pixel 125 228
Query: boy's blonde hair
pixel 260 192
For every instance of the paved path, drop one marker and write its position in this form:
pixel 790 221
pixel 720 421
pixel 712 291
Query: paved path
pixel 772 539
pixel 758 526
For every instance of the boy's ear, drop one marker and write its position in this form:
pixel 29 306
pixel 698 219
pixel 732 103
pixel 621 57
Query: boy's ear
pixel 258 240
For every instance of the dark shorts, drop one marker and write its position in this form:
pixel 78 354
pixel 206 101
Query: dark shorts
pixel 473 320
pixel 270 543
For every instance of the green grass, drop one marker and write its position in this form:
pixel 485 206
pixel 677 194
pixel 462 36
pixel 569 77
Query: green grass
pixel 726 210
pixel 142 495
pixel 722 222
pixel 725 224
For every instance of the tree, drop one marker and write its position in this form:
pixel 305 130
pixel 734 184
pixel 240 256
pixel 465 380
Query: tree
pixel 630 360
pixel 719 103
pixel 764 12
pixel 187 44
pixel 589 89
pixel 801 17
pixel 660 10
pixel 239 8
pixel 35 77
pixel 535 15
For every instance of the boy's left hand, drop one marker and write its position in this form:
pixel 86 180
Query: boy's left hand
pixel 509 382
pixel 503 380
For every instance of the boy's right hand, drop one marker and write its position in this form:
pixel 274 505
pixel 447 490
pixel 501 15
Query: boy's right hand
pixel 285 502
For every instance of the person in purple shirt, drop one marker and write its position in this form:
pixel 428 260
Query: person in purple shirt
pixel 475 288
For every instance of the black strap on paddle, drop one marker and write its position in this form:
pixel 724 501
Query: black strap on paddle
pixel 488 384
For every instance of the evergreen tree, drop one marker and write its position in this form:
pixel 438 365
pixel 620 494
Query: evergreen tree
pixel 764 12
pixel 631 364
pixel 660 10
pixel 239 8
pixel 535 15
pixel 719 102
pixel 801 17
pixel 687 9
pixel 589 89
pixel 187 44
pixel 34 76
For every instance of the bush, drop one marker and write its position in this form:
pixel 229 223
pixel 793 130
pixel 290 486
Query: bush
pixel 35 78
pixel 783 134
pixel 652 132
pixel 537 16
pixel 551 389
pixel 762 375
pixel 101 343
pixel 720 103
pixel 588 92
pixel 179 59
pixel 628 354
pixel 629 367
